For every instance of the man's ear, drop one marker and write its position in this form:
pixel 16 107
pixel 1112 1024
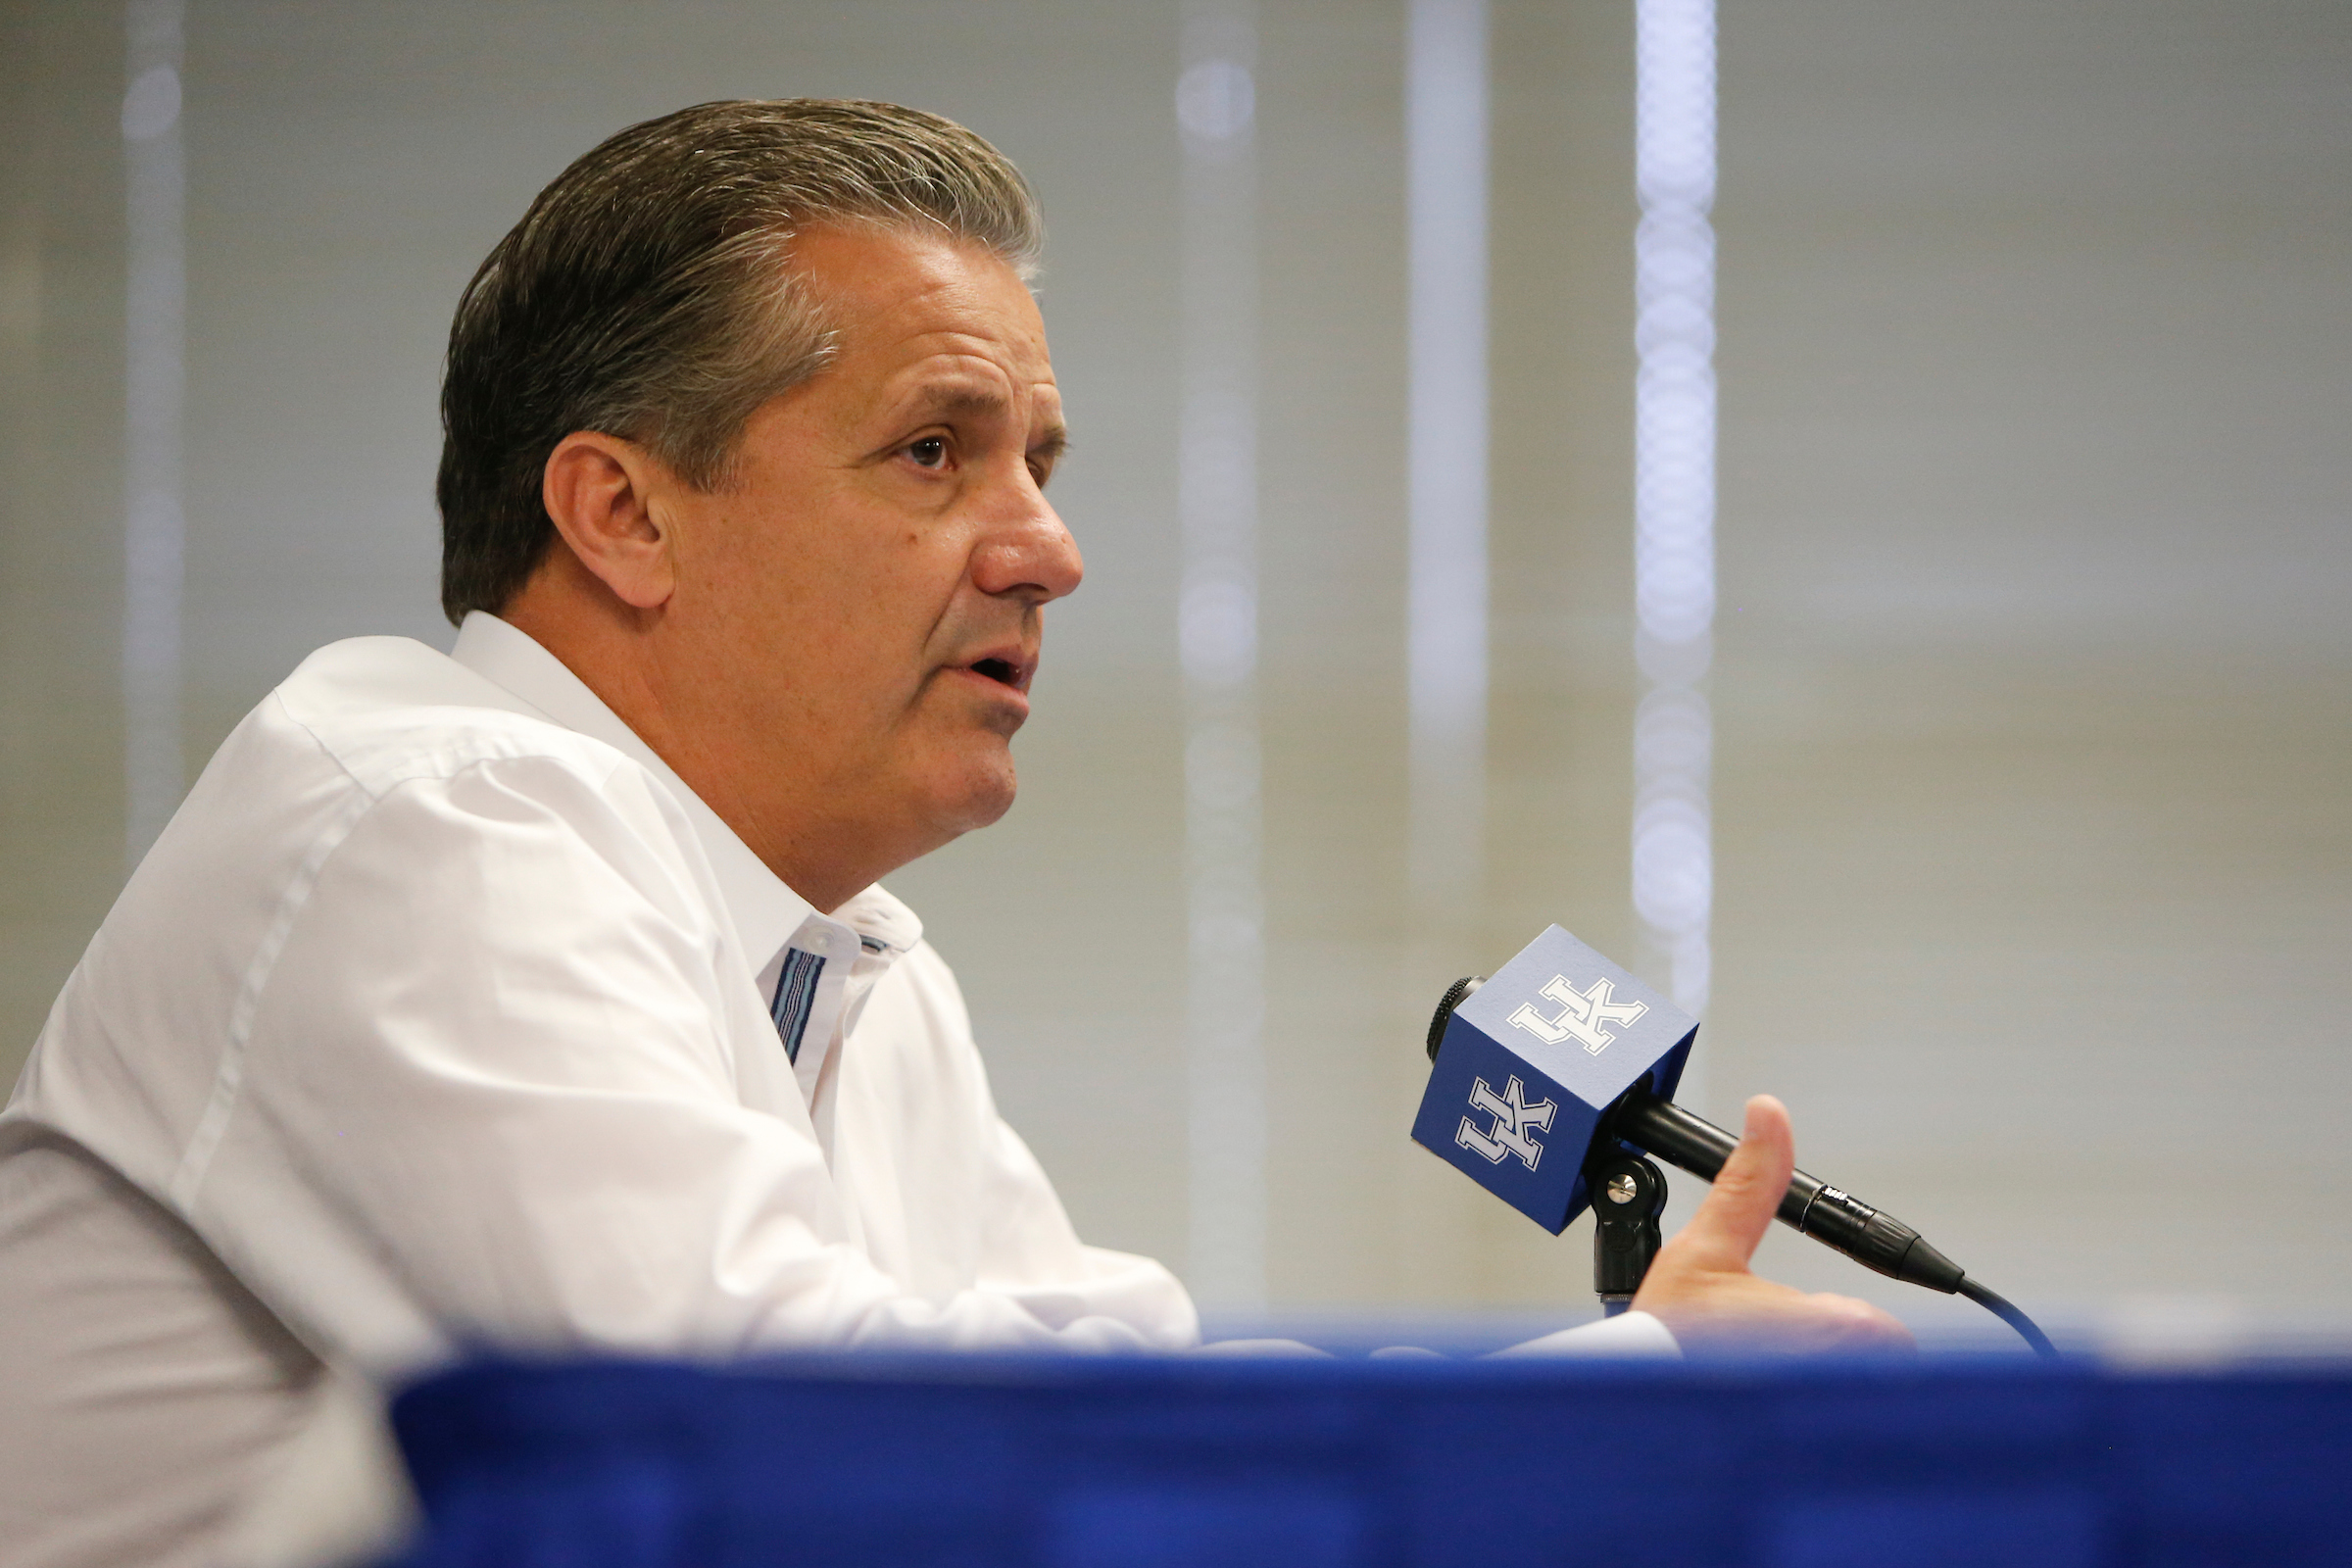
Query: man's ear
pixel 599 490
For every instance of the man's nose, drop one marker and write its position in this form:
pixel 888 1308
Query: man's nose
pixel 1027 553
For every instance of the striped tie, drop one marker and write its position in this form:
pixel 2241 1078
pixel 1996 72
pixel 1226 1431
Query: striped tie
pixel 796 993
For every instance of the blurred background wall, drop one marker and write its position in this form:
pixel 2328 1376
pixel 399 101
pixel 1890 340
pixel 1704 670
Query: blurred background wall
pixel 2033 689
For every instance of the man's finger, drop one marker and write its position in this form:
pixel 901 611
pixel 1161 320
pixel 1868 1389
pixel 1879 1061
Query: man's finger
pixel 1747 1193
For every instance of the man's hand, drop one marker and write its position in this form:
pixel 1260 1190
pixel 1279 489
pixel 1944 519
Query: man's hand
pixel 1700 1285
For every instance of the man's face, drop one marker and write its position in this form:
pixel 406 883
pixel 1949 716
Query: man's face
pixel 860 609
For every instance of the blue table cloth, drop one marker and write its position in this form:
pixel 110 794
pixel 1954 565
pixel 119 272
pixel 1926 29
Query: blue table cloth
pixel 1135 1464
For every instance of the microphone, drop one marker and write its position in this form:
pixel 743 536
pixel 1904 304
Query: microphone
pixel 1563 1060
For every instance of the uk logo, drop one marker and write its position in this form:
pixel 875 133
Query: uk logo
pixel 1584 1015
pixel 1515 1123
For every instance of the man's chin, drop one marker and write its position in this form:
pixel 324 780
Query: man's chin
pixel 976 796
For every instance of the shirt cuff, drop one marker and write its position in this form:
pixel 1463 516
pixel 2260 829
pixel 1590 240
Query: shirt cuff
pixel 1257 1350
pixel 1630 1335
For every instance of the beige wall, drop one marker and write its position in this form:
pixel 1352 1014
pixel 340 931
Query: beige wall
pixel 2034 873
pixel 60 400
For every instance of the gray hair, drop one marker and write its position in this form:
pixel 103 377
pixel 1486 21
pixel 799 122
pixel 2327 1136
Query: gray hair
pixel 649 294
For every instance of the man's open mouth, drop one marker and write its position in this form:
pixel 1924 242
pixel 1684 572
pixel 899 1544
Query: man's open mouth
pixel 1000 670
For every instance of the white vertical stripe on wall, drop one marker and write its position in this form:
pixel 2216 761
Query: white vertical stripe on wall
pixel 1674 484
pixel 155 394
pixel 1445 450
pixel 1217 631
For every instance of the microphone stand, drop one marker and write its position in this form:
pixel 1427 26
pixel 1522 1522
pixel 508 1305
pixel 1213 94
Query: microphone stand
pixel 1629 1194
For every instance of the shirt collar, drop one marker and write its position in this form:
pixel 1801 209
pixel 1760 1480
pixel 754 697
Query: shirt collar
pixel 883 924
pixel 766 912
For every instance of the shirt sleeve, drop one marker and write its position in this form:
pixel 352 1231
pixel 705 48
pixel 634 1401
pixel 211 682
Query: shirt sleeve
pixel 1033 1254
pixel 993 1206
pixel 1634 1335
pixel 481 1095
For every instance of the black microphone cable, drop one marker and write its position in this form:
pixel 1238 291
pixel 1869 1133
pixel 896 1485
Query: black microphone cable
pixel 2000 1306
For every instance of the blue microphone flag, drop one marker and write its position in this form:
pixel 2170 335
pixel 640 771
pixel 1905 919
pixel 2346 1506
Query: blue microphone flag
pixel 1531 1061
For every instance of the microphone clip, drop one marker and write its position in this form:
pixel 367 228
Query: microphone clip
pixel 1629 1194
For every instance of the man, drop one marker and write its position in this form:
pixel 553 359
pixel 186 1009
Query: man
pixel 542 995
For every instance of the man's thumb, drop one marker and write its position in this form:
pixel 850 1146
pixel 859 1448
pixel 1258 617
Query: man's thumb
pixel 1747 1192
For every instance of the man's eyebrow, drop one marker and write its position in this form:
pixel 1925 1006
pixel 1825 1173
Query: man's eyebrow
pixel 951 400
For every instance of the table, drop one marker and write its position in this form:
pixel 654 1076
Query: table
pixel 931 1461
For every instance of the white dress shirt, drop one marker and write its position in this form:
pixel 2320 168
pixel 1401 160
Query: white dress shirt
pixel 445 1016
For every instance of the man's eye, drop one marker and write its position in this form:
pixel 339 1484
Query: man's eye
pixel 931 451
